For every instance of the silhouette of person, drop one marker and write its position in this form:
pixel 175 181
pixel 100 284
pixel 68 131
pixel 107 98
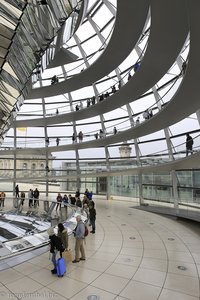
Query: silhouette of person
pixel 136 66
pixel 73 138
pixel 115 130
pixel 17 191
pixel 54 80
pixel 80 136
pixel 57 141
pixel 189 144
pixel 47 142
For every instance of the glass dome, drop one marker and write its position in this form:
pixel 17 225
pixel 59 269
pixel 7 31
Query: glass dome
pixel 108 99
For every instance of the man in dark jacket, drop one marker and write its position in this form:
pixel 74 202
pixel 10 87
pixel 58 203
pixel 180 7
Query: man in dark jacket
pixel 36 195
pixel 17 191
pixel 92 216
pixel 189 144
pixel 59 201
pixel 55 246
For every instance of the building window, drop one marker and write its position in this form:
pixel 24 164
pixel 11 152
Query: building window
pixel 33 167
pixel 24 167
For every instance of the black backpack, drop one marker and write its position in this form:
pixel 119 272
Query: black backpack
pixel 58 244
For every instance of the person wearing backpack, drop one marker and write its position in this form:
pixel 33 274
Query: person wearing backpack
pixel 55 246
pixel 79 234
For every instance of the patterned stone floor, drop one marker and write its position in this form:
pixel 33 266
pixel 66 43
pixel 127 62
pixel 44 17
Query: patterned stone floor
pixel 134 255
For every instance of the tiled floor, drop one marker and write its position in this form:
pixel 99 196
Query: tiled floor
pixel 134 255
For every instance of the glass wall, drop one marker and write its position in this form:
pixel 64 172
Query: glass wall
pixel 125 185
pixel 159 187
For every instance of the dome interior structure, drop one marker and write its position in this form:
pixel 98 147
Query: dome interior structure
pixel 96 85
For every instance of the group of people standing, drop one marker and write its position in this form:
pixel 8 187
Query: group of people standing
pixel 59 242
pixel 79 136
pixel 88 206
pixel 33 196
pixel 74 200
pixel 101 134
pixel 148 114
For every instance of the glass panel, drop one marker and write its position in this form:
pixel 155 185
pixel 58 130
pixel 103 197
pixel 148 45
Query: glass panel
pixel 3 52
pixel 37 27
pixel 6 32
pixel 16 65
pixel 9 70
pixel 14 92
pixel 10 99
pixel 13 10
pixel 157 193
pixel 7 23
pixel 11 81
pixel 4 42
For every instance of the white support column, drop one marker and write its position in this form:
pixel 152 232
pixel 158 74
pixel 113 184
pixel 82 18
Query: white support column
pixel 110 6
pixel 47 174
pixel 166 130
pixel 198 116
pixel 108 192
pixel 78 179
pixel 15 162
pixel 175 188
pixel 141 200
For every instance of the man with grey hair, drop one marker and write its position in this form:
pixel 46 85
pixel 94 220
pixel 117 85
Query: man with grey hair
pixel 79 234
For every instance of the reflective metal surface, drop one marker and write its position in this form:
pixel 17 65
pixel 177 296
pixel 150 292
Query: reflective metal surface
pixel 20 232
pixel 27 29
